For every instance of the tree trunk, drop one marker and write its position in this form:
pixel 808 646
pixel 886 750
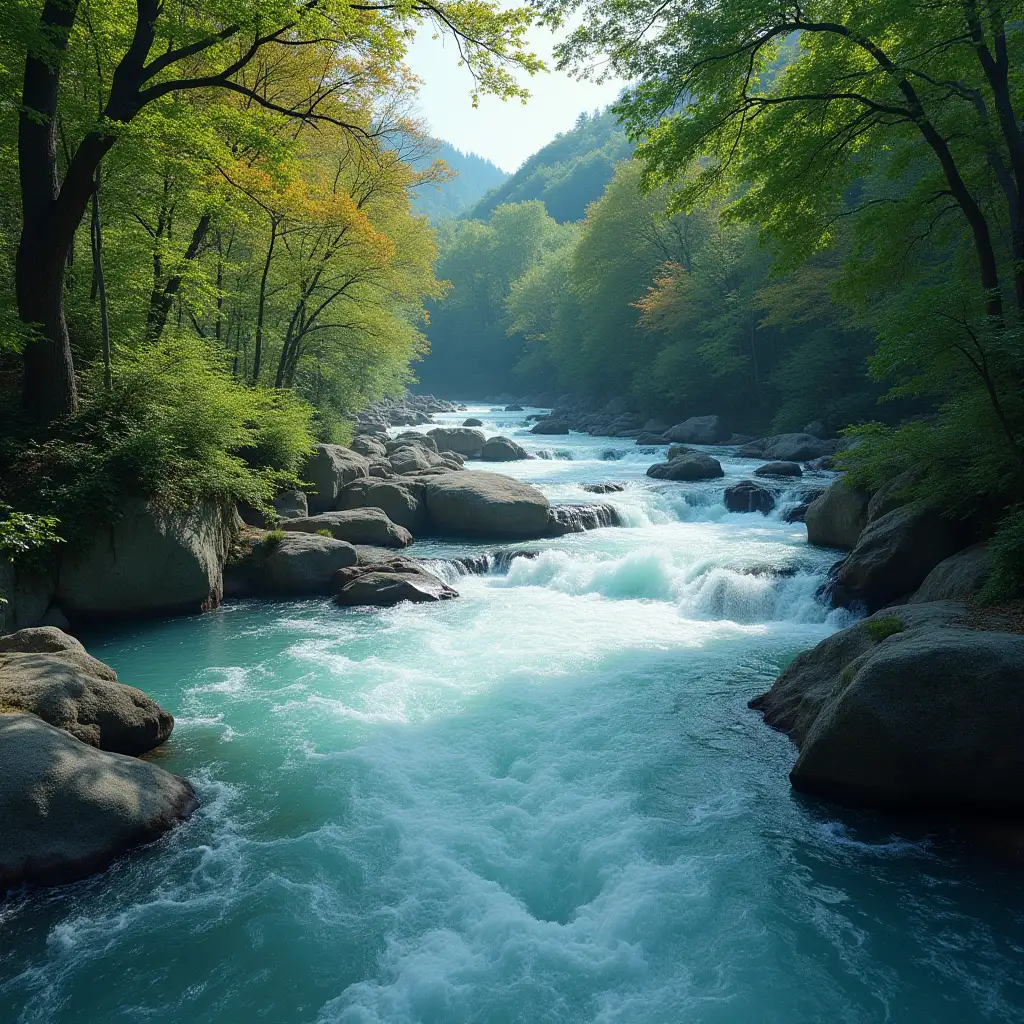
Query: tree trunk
pixel 258 350
pixel 101 283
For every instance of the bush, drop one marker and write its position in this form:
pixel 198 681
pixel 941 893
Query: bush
pixel 272 538
pixel 1006 579
pixel 325 533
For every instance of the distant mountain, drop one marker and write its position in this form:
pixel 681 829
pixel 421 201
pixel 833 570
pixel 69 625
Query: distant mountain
pixel 475 177
pixel 567 174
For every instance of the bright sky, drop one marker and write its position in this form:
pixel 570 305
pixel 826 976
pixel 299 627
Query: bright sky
pixel 504 132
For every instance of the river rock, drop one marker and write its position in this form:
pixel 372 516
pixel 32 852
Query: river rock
pixel 837 518
pixel 472 422
pixel 748 496
pixel 476 504
pixel 297 565
pixel 401 501
pixel 69 809
pixel 552 425
pixel 647 437
pixel 150 561
pixel 893 494
pixel 566 519
pixel 328 470
pixel 907 709
pixel 413 459
pixel 383 584
pixel 357 526
pixel 411 437
pixel 369 447
pixel 691 466
pixel 603 488
pixel 514 407
pixel 291 505
pixel 796 448
pixel 502 449
pixel 47 673
pixel 957 578
pixel 466 441
pixel 893 557
pixel 779 469
pixel 700 430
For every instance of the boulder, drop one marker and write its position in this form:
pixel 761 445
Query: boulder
pixel 477 504
pixel 328 470
pixel 472 422
pixel 648 437
pixel 552 425
pixel 700 430
pixel 893 494
pixel 150 561
pixel 369 447
pixel 69 809
pixel 291 505
pixel 795 448
pixel 748 496
pixel 412 459
pixel 381 469
pixel 383 584
pixel 798 513
pixel 836 519
pixel 357 526
pixel 28 593
pixel 411 437
pixel 566 519
pixel 779 469
pixel 297 565
pixel 907 709
pixel 692 466
pixel 45 672
pixel 502 449
pixel 676 450
pixel 465 441
pixel 957 578
pixel 603 488
pixel 514 407
pixel 817 428
pixel 893 557
pixel 401 501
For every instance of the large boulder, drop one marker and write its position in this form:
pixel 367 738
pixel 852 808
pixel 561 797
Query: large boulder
pixel 150 561
pixel 28 593
pixel 69 809
pixel 401 501
pixel 296 565
pixel 472 422
pixel 357 526
pixel 837 518
pixel 466 441
pixel 748 496
pixel 893 494
pixel 957 578
pixel 476 504
pixel 552 425
pixel 779 469
pixel 647 437
pixel 502 449
pixel 691 466
pixel 383 584
pixel 700 430
pixel 907 709
pixel 329 469
pixel 291 505
pixel 566 519
pixel 788 448
pixel 45 672
pixel 369 447
pixel 412 459
pixel 894 556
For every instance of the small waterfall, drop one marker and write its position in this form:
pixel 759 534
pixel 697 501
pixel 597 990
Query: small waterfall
pixel 564 519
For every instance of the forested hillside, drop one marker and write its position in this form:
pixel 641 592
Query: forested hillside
pixel 471 178
pixel 566 174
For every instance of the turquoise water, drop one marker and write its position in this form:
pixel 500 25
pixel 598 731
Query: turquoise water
pixel 545 801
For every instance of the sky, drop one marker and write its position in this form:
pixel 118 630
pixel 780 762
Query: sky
pixel 506 133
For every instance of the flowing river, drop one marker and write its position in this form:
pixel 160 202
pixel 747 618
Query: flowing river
pixel 543 802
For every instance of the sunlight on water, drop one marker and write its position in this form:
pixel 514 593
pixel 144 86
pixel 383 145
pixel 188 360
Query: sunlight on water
pixel 545 801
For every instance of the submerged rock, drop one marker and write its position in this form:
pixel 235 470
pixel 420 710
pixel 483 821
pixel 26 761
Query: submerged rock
pixel 566 519
pixel 907 709
pixel 748 496
pixel 603 488
pixel 690 466
pixel 76 808
pixel 357 526
pixel 383 584
pixel 45 672
pixel 478 504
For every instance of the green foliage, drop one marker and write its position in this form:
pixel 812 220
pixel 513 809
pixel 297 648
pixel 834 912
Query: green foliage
pixel 324 533
pixel 473 178
pixel 1006 550
pixel 271 539
pixel 23 534
pixel 882 629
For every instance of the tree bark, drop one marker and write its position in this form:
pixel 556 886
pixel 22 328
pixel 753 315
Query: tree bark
pixel 101 283
pixel 258 349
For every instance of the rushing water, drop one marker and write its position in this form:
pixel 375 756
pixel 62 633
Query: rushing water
pixel 545 801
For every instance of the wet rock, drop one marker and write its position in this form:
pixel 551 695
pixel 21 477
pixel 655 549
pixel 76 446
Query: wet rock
pixel 603 488
pixel 748 496
pixel 475 504
pixel 692 466
pixel 357 526
pixel 70 809
pixel 472 422
pixel 566 519
pixel 502 449
pixel 550 426
pixel 779 469
pixel 384 584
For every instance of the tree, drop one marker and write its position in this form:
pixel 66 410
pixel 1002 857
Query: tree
pixel 171 49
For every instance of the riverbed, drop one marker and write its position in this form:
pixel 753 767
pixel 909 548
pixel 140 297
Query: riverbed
pixel 546 801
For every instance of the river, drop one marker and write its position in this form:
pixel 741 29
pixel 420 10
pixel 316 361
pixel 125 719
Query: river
pixel 543 802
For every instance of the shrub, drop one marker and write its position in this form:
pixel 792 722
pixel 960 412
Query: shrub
pixel 272 538
pixel 325 533
pixel 1006 549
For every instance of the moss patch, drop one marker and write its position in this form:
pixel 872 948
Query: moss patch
pixel 881 629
